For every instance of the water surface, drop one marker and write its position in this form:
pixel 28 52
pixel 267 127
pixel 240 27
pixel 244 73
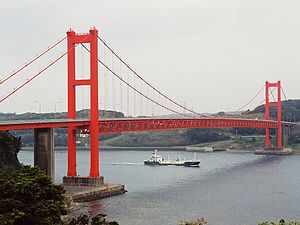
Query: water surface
pixel 227 189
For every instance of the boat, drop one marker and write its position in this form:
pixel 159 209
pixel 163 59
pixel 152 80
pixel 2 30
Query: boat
pixel 157 160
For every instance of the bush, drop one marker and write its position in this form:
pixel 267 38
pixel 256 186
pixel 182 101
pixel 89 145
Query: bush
pixel 99 219
pixel 9 148
pixel 281 222
pixel 200 221
pixel 28 196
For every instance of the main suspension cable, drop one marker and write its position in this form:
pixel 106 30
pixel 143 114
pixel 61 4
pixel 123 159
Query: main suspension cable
pixel 33 77
pixel 37 74
pixel 129 85
pixel 31 61
pixel 252 99
pixel 146 82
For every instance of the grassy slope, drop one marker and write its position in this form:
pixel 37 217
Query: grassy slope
pixel 148 138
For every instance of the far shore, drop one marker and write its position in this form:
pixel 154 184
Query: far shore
pixel 169 148
pixel 114 148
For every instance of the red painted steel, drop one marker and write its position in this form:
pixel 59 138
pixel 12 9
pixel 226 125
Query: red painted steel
pixel 92 39
pixel 23 125
pixel 107 126
pixel 94 126
pixel 267 112
pixel 136 125
pixel 71 103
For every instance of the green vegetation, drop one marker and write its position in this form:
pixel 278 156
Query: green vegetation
pixel 168 138
pixel 195 136
pixel 200 221
pixel 99 219
pixel 82 114
pixel 27 196
pixel 247 142
pixel 290 108
pixel 281 222
pixel 61 137
pixel 148 138
pixel 9 148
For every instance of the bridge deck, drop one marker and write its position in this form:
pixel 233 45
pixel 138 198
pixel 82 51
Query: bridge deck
pixel 141 124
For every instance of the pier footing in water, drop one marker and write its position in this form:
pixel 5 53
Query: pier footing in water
pixel 83 181
pixel 86 194
pixel 274 151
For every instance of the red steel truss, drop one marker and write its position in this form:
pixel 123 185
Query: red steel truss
pixel 135 125
pixel 95 126
pixel 109 126
pixel 267 111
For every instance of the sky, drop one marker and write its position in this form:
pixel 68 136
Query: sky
pixel 211 55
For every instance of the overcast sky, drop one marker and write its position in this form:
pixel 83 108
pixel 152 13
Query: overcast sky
pixel 212 54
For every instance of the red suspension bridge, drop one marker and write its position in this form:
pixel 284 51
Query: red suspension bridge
pixel 186 118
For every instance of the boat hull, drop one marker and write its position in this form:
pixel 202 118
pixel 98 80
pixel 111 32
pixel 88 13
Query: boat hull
pixel 186 164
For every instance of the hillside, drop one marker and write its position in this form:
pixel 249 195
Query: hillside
pixel 61 137
pixel 290 109
pixel 169 138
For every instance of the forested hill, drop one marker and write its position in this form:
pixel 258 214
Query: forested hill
pixel 290 110
pixel 61 137
pixel 82 114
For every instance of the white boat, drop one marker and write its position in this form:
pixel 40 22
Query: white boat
pixel 157 160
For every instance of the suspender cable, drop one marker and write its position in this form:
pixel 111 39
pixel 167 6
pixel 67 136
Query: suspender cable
pixel 113 84
pixel 283 92
pixel 136 90
pixel 105 80
pixel 244 106
pixel 121 89
pixel 140 77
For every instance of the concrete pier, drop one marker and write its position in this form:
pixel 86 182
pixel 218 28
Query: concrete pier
pixel 86 194
pixel 85 189
pixel 44 150
pixel 274 151
pixel 83 181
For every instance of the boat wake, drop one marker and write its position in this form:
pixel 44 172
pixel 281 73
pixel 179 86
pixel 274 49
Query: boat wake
pixel 127 164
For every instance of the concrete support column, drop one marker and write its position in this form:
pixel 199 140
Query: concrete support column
pixel 44 150
pixel 286 135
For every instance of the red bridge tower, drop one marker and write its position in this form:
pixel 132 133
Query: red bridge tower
pixel 73 40
pixel 267 111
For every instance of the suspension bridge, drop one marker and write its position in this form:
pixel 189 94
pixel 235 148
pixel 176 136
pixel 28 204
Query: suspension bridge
pixel 139 89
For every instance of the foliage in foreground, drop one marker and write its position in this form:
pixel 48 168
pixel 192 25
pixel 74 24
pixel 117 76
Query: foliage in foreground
pixel 9 148
pixel 200 221
pixel 28 196
pixel 99 219
pixel 281 222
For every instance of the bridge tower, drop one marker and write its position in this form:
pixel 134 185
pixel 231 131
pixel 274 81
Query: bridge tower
pixel 73 40
pixel 267 111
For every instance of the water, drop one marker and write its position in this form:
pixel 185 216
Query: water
pixel 227 189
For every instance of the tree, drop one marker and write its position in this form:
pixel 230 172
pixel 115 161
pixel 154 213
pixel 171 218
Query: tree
pixel 28 196
pixel 9 148
pixel 200 221
pixel 281 222
pixel 196 136
pixel 99 219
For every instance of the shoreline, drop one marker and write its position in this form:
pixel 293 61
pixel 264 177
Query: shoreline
pixel 109 148
pixel 171 148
